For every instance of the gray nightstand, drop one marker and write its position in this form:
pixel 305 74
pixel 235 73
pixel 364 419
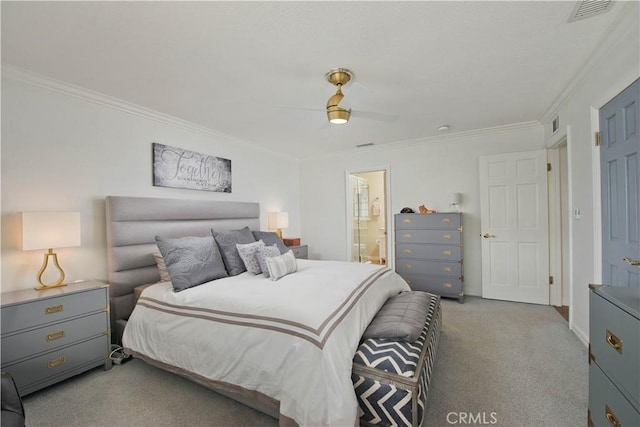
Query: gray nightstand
pixel 53 334
pixel 300 251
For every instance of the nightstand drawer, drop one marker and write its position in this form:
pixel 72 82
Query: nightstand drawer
pixel 427 220
pixel 25 344
pixel 300 251
pixel 438 268
pixel 424 251
pixel 58 362
pixel 49 310
pixel 450 237
pixel 615 344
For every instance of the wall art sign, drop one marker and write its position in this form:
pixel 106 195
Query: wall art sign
pixel 178 168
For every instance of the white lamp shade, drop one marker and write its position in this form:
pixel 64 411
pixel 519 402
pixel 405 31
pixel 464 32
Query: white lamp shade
pixel 47 230
pixel 456 198
pixel 278 220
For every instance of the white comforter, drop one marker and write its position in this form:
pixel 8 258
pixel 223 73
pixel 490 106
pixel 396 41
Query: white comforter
pixel 291 339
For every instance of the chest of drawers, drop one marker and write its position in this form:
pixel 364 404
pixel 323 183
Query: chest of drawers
pixel 429 252
pixel 53 334
pixel 614 356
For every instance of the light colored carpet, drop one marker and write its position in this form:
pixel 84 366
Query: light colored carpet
pixel 498 363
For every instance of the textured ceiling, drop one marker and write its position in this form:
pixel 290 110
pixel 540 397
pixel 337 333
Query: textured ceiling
pixel 239 67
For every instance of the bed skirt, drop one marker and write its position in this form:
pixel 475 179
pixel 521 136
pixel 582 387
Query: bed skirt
pixel 391 378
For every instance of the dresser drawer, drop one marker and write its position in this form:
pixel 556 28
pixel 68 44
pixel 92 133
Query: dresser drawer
pixel 59 361
pixel 434 284
pixel 25 344
pixel 615 344
pixel 450 237
pixel 48 310
pixel 437 268
pixel 443 220
pixel 425 251
pixel 606 404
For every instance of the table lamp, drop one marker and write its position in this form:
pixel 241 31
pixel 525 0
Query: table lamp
pixel 48 230
pixel 277 221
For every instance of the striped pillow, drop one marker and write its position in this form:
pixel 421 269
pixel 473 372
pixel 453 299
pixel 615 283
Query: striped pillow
pixel 280 266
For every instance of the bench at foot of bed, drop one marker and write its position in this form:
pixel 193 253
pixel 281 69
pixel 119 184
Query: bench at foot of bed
pixel 391 377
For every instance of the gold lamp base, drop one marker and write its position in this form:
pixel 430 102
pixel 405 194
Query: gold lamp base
pixel 279 233
pixel 45 263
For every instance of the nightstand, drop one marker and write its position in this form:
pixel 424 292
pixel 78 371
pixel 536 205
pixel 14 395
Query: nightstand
pixel 53 334
pixel 300 251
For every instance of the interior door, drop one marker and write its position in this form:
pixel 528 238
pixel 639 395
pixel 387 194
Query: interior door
pixel 619 146
pixel 515 227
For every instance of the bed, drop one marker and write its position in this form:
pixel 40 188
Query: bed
pixel 283 347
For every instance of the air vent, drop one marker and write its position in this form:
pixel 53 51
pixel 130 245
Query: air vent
pixel 368 144
pixel 588 8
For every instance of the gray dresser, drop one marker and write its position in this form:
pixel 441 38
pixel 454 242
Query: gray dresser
pixel 614 356
pixel 429 252
pixel 53 334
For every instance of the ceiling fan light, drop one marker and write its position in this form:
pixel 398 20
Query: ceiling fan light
pixel 338 116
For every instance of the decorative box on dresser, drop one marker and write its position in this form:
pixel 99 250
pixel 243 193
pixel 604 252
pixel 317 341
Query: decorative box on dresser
pixel 53 334
pixel 429 252
pixel 614 356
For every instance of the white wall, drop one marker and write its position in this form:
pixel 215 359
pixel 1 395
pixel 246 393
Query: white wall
pixel 421 172
pixel 64 149
pixel 613 67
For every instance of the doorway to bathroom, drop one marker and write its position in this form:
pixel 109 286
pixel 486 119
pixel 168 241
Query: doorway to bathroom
pixel 367 217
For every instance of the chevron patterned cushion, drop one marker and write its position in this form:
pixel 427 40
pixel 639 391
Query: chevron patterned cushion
pixel 391 377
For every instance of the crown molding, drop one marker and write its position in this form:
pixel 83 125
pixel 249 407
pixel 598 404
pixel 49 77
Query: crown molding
pixel 625 23
pixel 88 95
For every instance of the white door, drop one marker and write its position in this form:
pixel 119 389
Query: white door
pixel 515 227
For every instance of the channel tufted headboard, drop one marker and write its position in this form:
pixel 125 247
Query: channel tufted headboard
pixel 133 223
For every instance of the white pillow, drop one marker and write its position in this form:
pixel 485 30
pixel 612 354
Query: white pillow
pixel 280 266
pixel 247 252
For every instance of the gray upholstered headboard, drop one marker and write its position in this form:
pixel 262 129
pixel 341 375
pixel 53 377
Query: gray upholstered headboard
pixel 133 223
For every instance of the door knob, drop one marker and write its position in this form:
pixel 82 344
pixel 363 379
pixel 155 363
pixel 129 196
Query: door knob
pixel 488 235
pixel 632 262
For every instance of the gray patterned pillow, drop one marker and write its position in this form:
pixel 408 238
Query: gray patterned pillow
pixel 280 266
pixel 191 261
pixel 227 241
pixel 266 252
pixel 247 252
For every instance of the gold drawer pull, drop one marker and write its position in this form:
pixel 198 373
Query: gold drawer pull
pixel 447 269
pixel 407 221
pixel 55 336
pixel 446 220
pixel 408 281
pixel 54 309
pixel 407 251
pixel 447 285
pixel 406 236
pixel 613 420
pixel 446 252
pixel 408 266
pixel 56 362
pixel 614 341
pixel 446 236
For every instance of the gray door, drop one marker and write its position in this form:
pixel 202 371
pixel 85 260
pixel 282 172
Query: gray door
pixel 620 175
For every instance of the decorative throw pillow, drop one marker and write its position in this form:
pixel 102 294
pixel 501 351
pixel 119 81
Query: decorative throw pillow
pixel 271 238
pixel 263 253
pixel 282 265
pixel 247 252
pixel 162 267
pixel 227 241
pixel 191 261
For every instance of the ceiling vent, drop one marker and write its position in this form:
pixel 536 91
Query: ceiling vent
pixel 588 8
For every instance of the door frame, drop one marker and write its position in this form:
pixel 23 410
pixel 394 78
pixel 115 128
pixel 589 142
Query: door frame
pixel 387 207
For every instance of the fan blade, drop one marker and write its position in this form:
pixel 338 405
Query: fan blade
pixel 375 116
